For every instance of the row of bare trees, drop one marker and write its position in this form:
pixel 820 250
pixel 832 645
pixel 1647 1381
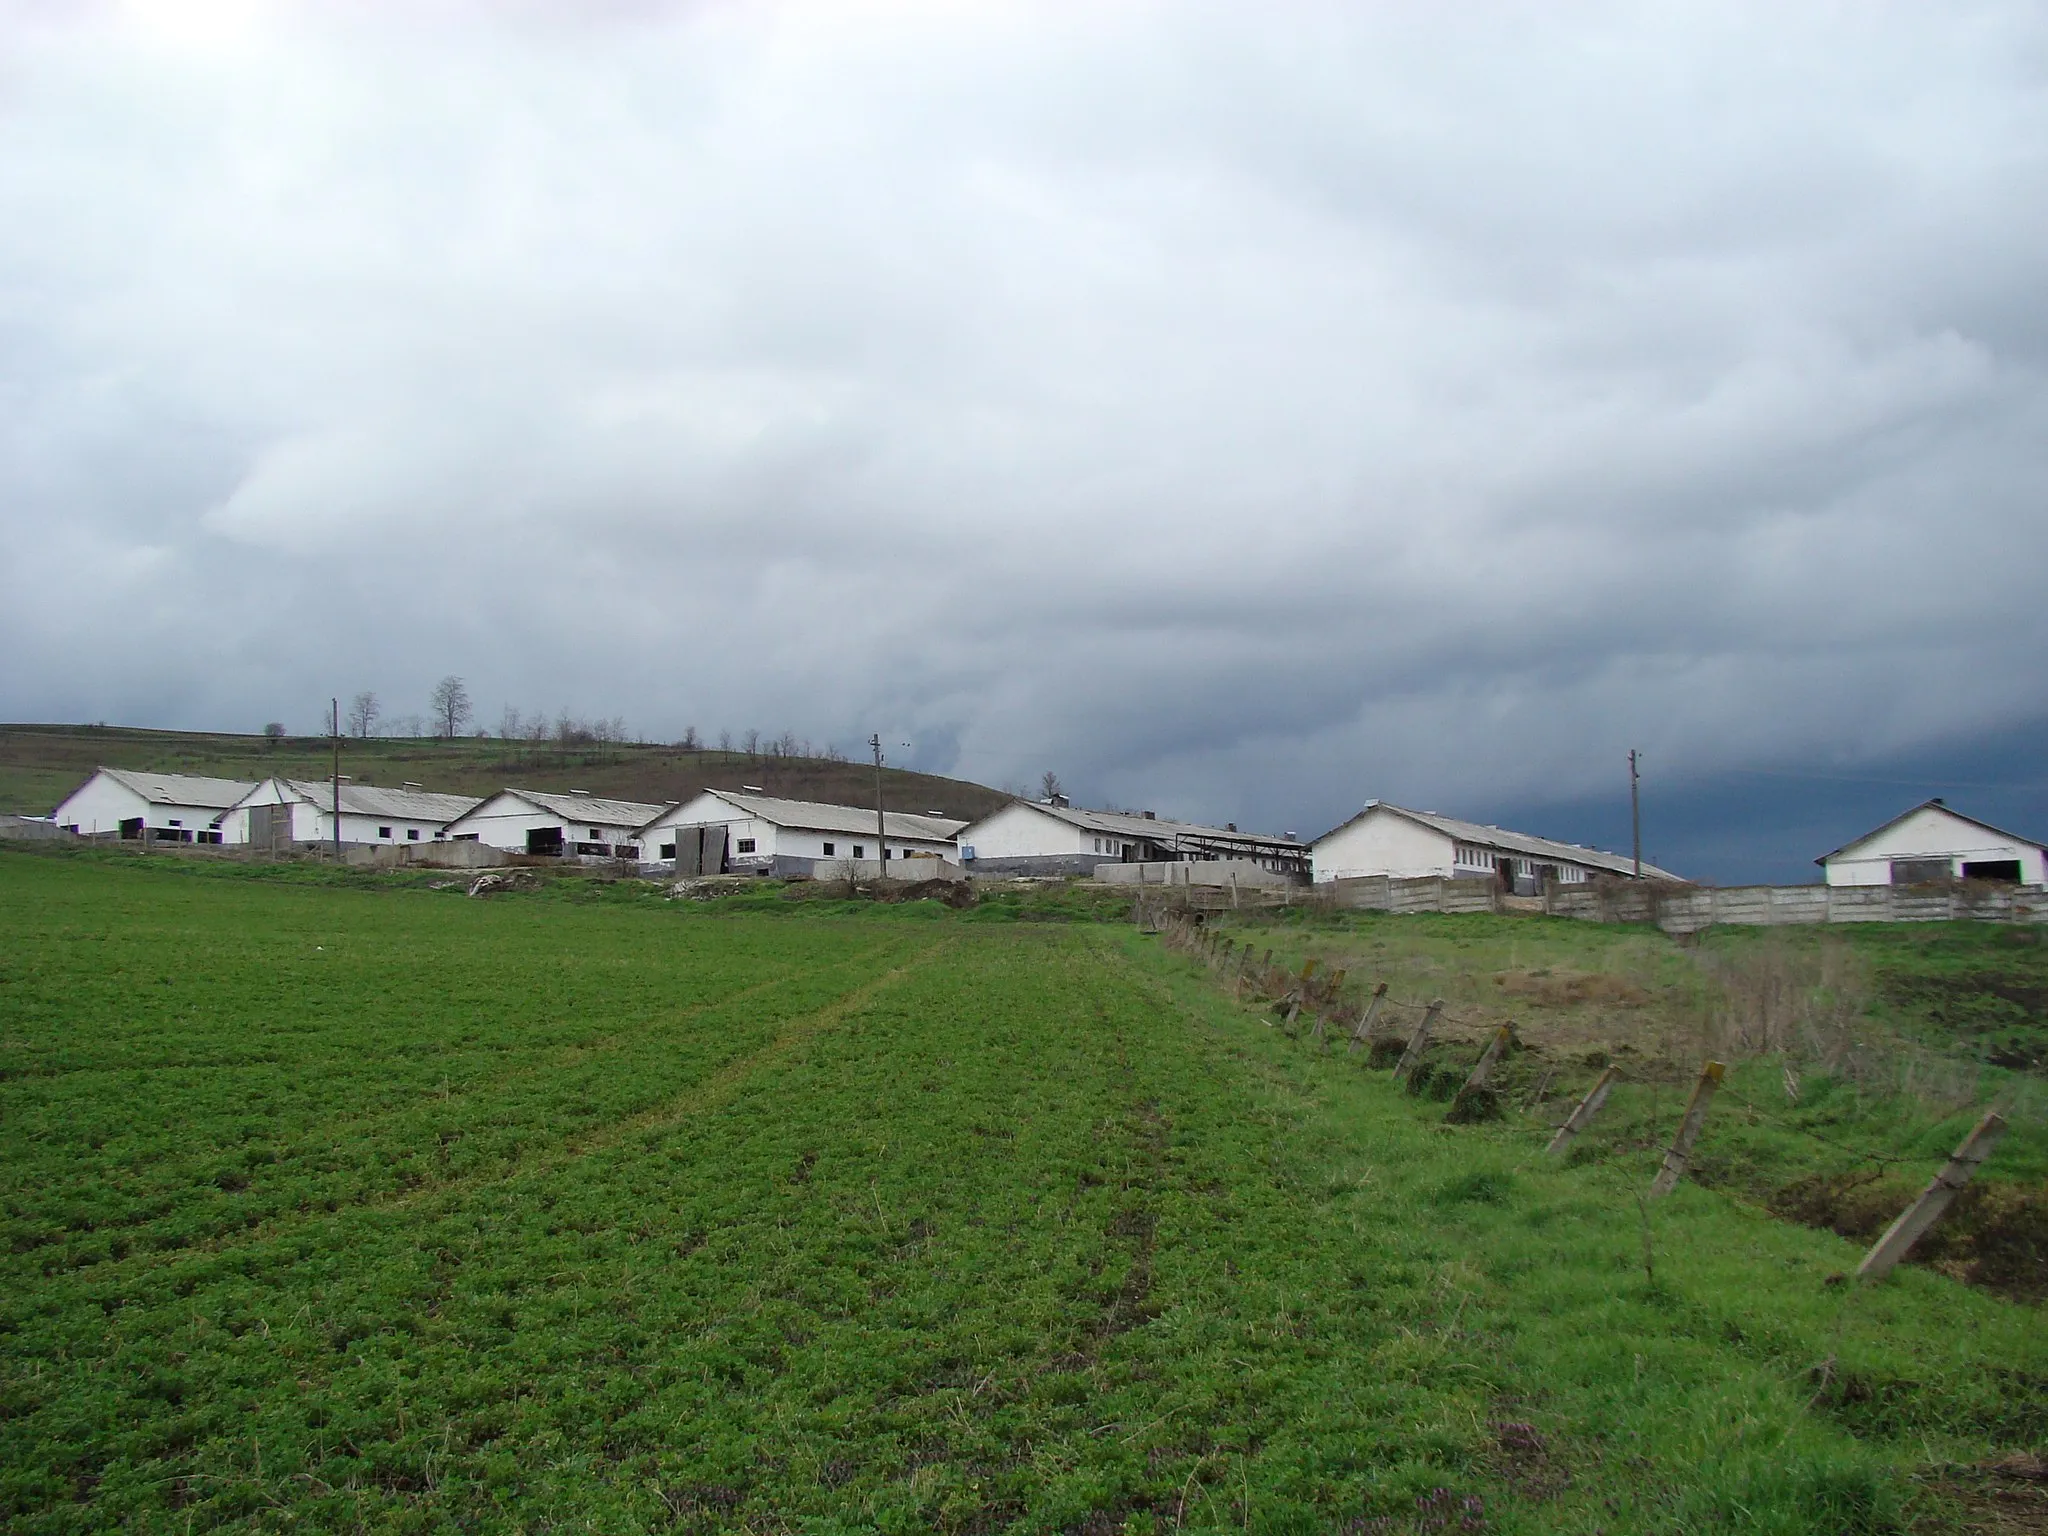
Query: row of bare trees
pixel 449 706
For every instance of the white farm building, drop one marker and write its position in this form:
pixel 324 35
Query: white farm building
pixel 1391 840
pixel 288 813
pixel 1040 837
pixel 763 834
pixel 541 822
pixel 138 806
pixel 1932 842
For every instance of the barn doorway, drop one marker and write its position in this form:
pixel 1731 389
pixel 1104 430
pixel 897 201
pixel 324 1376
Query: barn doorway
pixel 544 842
pixel 2006 871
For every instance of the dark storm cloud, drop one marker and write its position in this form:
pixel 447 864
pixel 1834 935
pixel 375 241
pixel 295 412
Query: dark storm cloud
pixel 1242 417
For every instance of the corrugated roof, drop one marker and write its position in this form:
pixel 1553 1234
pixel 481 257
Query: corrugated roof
pixel 592 810
pixel 815 816
pixel 378 800
pixel 1523 843
pixel 1936 804
pixel 181 788
pixel 1160 830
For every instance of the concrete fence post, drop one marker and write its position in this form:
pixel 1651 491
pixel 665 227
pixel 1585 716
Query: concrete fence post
pixel 1582 1116
pixel 1679 1155
pixel 1417 1042
pixel 1914 1221
pixel 1482 1069
pixel 1362 1030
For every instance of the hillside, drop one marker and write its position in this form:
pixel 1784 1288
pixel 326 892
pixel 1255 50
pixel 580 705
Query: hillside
pixel 40 764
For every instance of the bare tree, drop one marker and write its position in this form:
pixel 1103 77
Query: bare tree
pixel 274 732
pixel 451 705
pixel 751 744
pixel 510 726
pixel 689 743
pixel 363 713
pixel 412 725
pixel 725 741
pixel 537 727
pixel 1049 787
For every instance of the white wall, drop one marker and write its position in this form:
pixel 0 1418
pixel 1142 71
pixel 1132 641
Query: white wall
pixel 772 841
pixel 1931 833
pixel 1021 831
pixel 1382 843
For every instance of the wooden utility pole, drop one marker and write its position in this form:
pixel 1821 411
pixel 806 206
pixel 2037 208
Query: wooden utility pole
pixel 1635 811
pixel 1934 1199
pixel 881 827
pixel 335 705
pixel 1679 1156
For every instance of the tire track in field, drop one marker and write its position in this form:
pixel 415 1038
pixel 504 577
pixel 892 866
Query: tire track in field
pixel 705 1094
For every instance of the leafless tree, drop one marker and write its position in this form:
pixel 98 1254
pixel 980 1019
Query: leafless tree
pixel 412 725
pixel 752 744
pixel 451 705
pixel 510 726
pixel 786 744
pixel 689 743
pixel 725 741
pixel 363 714
pixel 1049 787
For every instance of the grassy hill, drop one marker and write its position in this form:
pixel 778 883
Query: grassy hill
pixel 40 764
pixel 587 1209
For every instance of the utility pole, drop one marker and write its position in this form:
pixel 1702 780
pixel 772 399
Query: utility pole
pixel 881 828
pixel 1635 811
pixel 336 703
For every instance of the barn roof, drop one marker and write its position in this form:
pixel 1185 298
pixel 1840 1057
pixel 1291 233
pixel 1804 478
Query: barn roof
pixel 816 816
pixel 1159 829
pixel 179 788
pixel 405 804
pixel 1523 843
pixel 591 810
pixel 1936 804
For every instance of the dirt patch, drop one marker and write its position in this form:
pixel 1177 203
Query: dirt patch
pixel 2006 1497
pixel 1558 988
pixel 954 893
pixel 1995 1235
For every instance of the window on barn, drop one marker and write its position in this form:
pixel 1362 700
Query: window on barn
pixel 745 845
pixel 831 848
pixel 595 835
pixel 383 831
pixel 668 850
pixel 1992 869
pixel 176 823
pixel 1919 871
pixel 412 834
pixel 860 851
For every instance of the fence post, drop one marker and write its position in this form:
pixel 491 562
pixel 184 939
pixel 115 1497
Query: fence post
pixel 1582 1116
pixel 1330 989
pixel 1680 1152
pixel 1418 1041
pixel 1483 1068
pixel 1362 1030
pixel 1934 1199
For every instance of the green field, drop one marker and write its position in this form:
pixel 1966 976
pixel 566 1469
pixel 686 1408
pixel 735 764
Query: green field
pixel 339 1204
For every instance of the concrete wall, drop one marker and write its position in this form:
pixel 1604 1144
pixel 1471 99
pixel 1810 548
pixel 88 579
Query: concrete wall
pixel 441 855
pixel 33 829
pixel 1243 873
pixel 1931 832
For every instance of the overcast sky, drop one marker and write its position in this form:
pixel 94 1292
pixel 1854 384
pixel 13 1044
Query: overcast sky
pixel 1243 412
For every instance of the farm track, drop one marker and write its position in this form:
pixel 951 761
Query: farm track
pixel 696 1098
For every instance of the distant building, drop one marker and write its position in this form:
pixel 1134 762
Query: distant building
pixel 154 807
pixel 299 813
pixel 1932 842
pixel 763 834
pixel 1391 840
pixel 541 822
pixel 1041 837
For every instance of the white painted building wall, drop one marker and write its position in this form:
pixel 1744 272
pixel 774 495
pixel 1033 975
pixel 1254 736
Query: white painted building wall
pixel 1020 831
pixel 312 822
pixel 1382 843
pixel 1931 833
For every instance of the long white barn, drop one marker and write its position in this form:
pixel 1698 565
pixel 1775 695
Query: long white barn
pixel 299 813
pixel 544 823
pixel 1385 839
pixel 1043 837
pixel 764 834
pixel 1932 842
pixel 139 806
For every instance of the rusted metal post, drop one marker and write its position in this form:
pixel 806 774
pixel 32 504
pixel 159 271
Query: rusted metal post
pixel 1362 1030
pixel 1679 1155
pixel 1418 1042
pixel 1582 1116
pixel 1900 1237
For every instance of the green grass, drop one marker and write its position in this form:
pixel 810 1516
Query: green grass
pixel 385 1209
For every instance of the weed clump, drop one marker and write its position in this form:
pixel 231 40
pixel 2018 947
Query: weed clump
pixel 1474 1105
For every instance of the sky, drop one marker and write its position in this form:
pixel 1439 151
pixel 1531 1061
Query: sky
pixel 1242 412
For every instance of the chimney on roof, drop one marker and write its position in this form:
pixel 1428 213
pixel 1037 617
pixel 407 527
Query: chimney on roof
pixel 1151 815
pixel 1230 826
pixel 1937 800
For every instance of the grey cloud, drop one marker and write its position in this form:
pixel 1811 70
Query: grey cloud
pixel 1241 417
